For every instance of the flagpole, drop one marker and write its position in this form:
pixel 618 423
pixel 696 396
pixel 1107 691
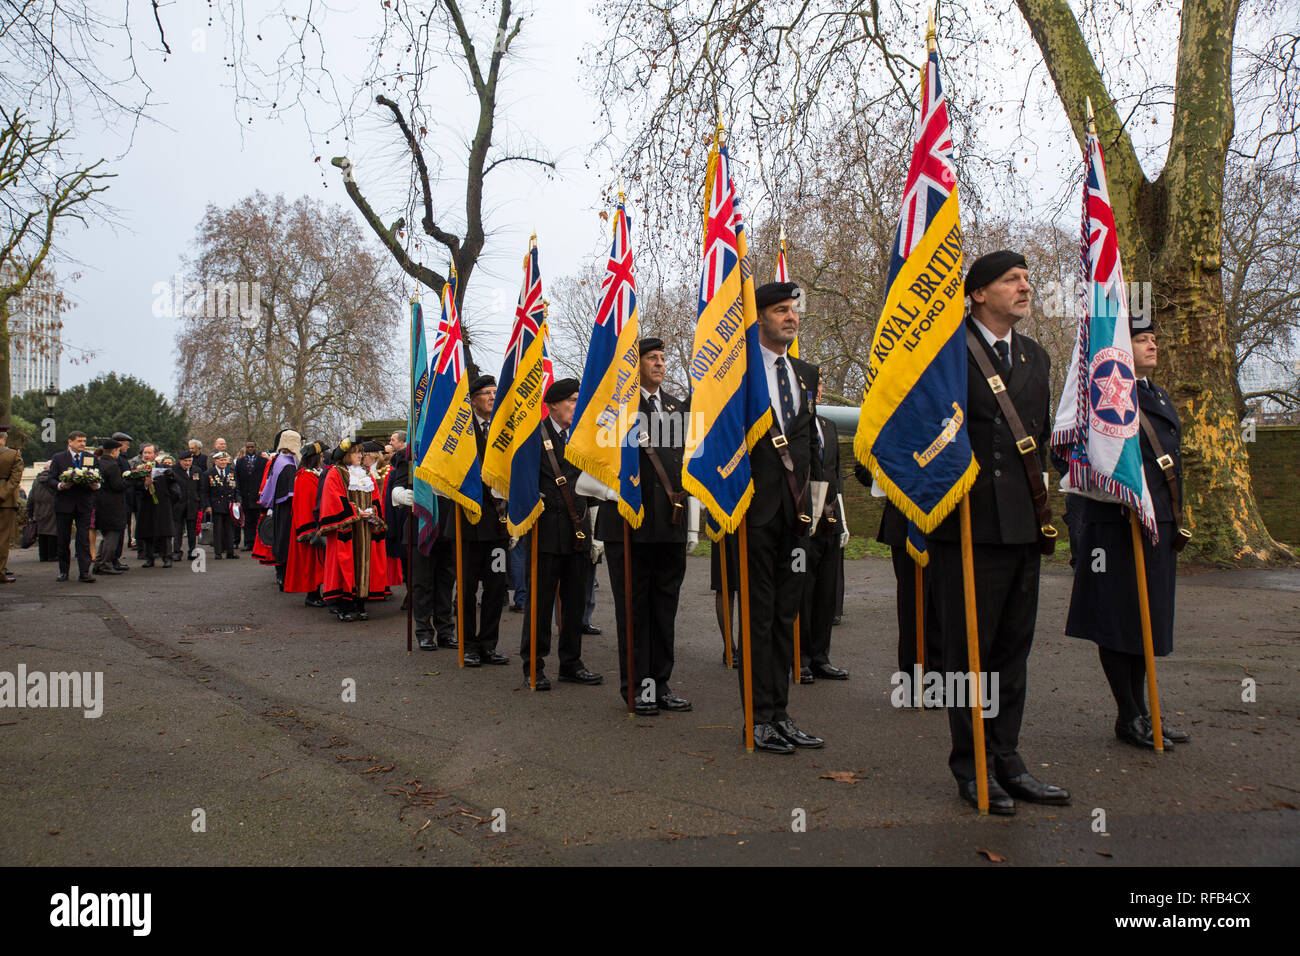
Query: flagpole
pixel 745 655
pixel 532 609
pixel 1148 650
pixel 973 658
pixel 410 438
pixel 721 543
pixel 920 635
pixel 798 667
pixel 627 615
pixel 460 595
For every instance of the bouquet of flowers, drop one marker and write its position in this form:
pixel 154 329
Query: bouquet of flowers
pixel 142 471
pixel 85 477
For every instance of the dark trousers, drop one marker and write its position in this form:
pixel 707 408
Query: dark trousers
pixel 47 547
pixel 518 572
pixel 905 578
pixel 225 536
pixel 818 606
pixel 109 546
pixel 567 573
pixel 657 574
pixel 1006 604
pixel 251 513
pixel 159 547
pixel 775 592
pixel 484 563
pixel 65 521
pixel 433 594
pixel 185 530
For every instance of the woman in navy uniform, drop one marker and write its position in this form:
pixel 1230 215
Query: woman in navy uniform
pixel 1104 603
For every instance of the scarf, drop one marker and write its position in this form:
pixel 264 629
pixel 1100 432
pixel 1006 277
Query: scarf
pixel 267 499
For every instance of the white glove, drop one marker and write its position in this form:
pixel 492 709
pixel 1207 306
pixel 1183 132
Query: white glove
pixel 597 549
pixel 513 542
pixel 403 497
pixel 844 537
pixel 692 540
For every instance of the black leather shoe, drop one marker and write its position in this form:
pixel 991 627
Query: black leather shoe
pixel 8 578
pixel 312 600
pixel 543 682
pixel 1171 734
pixel 591 629
pixel 671 701
pixel 105 569
pixel 218 555
pixel 86 578
pixel 830 672
pixel 516 609
pixel 1029 788
pixel 232 556
pixel 450 642
pixel 492 657
pixel 426 641
pixel 63 576
pixel 167 562
pixel 581 676
pixel 148 563
pixel 346 617
pixel 646 709
pixel 363 616
pixel 118 566
pixel 806 676
pixel 769 740
pixel 1000 801
pixel 790 732
pixel 472 659
pixel 1137 733
pixel 176 556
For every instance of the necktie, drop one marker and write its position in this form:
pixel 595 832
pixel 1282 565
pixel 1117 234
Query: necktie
pixel 783 390
pixel 1004 353
pixel 1144 384
pixel 651 406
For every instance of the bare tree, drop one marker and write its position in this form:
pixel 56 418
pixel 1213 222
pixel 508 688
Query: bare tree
pixel 290 319
pixel 39 192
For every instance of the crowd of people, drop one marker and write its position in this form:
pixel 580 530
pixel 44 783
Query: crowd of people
pixel 343 525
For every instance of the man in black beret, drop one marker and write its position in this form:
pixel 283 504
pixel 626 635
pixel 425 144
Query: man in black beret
pixel 1005 531
pixel 485 548
pixel 783 463
pixel 563 533
pixel 657 549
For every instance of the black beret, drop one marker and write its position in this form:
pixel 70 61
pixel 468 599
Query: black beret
pixel 482 382
pixel 560 389
pixel 988 267
pixel 107 446
pixel 651 344
pixel 189 454
pixel 1137 324
pixel 770 293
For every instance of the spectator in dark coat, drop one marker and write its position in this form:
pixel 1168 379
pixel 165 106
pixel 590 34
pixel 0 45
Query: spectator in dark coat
pixel 110 509
pixel 189 479
pixel 40 509
pixel 154 526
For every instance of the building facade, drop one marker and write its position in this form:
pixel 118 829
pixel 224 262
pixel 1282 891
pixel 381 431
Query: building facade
pixel 35 336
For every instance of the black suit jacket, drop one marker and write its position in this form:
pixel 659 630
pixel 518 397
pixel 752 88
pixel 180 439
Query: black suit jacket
pixel 219 490
pixel 1159 409
pixel 772 495
pixel 491 523
pixel 68 500
pixel 554 528
pixel 667 432
pixel 1002 508
pixel 248 475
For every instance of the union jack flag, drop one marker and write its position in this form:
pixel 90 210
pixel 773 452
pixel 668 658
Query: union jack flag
pixel 529 313
pixel 722 223
pixel 933 174
pixel 618 289
pixel 448 344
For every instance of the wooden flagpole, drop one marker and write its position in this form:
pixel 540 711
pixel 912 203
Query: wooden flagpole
pixel 460 596
pixel 973 658
pixel 532 608
pixel 721 544
pixel 410 598
pixel 798 657
pixel 920 635
pixel 1148 649
pixel 627 616
pixel 746 658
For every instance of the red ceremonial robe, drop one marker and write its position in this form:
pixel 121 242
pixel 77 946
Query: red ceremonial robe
pixel 261 551
pixel 306 566
pixel 340 523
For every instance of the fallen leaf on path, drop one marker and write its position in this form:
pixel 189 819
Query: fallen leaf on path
pixel 993 857
pixel 840 776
